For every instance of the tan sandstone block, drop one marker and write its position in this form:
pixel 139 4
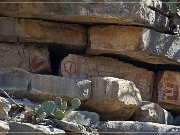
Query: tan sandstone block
pixel 89 12
pixel 168 87
pixel 50 32
pixel 76 65
pixel 134 42
pixel 29 57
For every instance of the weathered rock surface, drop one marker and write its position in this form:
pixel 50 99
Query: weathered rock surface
pixel 52 86
pixel 49 32
pixel 14 80
pixel 28 128
pixel 29 57
pixel 4 127
pixel 90 12
pixel 70 126
pixel 8 31
pixel 70 35
pixel 152 112
pixel 76 65
pixel 113 98
pixel 137 128
pixel 168 88
pixel 135 42
pixel 83 117
pixel 4 108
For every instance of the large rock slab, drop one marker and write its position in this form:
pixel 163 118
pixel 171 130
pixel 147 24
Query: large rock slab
pixel 76 65
pixel 14 80
pixel 113 98
pixel 48 32
pixel 136 128
pixel 152 112
pixel 85 11
pixel 29 57
pixel 168 88
pixel 4 127
pixel 5 108
pixel 83 117
pixel 28 128
pixel 145 45
pixel 18 30
pixel 53 86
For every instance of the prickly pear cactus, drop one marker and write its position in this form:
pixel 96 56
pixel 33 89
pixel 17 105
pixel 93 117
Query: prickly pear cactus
pixel 57 108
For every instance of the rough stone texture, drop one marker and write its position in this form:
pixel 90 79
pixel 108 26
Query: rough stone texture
pixel 137 43
pixel 136 13
pixel 137 128
pixel 113 98
pixel 83 117
pixel 76 65
pixel 70 126
pixel 4 128
pixel 49 32
pixel 152 112
pixel 29 128
pixel 18 30
pixel 52 86
pixel 5 108
pixel 168 88
pixel 29 57
pixel 8 31
pixel 14 80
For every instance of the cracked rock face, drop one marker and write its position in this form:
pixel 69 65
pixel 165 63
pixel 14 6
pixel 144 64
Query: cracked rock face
pixel 114 96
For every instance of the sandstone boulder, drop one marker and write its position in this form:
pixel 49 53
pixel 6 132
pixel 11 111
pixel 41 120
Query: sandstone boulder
pixel 29 57
pixel 4 108
pixel 168 88
pixel 28 128
pixel 136 128
pixel 113 98
pixel 135 42
pixel 85 11
pixel 52 86
pixel 76 65
pixel 152 112
pixel 4 127
pixel 83 117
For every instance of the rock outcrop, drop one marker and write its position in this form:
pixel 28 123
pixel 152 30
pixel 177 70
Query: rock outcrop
pixel 90 12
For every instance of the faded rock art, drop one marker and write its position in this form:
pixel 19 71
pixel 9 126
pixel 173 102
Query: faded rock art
pixel 168 88
pixel 30 58
pixel 75 65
